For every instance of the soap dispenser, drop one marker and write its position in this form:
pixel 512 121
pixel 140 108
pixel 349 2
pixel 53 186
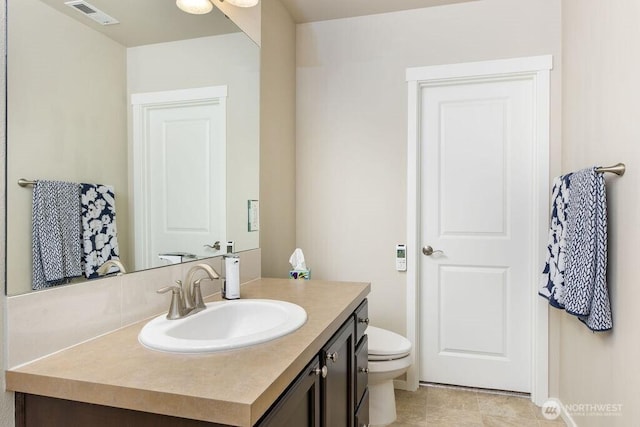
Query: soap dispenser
pixel 231 284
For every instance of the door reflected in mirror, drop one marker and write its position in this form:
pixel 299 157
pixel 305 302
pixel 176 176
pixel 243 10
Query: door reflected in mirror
pixel 71 116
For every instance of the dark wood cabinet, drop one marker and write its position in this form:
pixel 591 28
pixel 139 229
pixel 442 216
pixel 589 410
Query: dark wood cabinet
pixel 299 406
pixel 362 368
pixel 362 414
pixel 344 398
pixel 361 374
pixel 338 386
pixel 42 411
pixel 362 320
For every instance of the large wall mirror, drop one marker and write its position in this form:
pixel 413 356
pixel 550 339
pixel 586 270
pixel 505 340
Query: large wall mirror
pixel 162 106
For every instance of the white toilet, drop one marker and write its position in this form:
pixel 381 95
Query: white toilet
pixel 389 357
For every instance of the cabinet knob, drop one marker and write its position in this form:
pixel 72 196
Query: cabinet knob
pixel 363 370
pixel 363 320
pixel 332 356
pixel 320 371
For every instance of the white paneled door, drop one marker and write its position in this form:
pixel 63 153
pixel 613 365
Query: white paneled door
pixel 477 206
pixel 180 174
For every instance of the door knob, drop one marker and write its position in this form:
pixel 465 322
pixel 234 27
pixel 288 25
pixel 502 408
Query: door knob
pixel 428 251
pixel 215 246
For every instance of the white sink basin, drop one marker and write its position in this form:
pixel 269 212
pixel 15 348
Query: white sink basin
pixel 224 325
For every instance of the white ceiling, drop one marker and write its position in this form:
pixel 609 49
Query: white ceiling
pixel 321 10
pixel 145 22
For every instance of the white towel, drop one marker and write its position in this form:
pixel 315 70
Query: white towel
pixel 56 233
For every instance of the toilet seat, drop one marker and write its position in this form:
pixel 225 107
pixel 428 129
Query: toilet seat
pixel 387 345
pixel 387 367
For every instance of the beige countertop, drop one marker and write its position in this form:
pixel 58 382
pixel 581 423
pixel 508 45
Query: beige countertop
pixel 234 387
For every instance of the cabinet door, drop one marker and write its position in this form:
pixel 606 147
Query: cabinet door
pixel 300 404
pixel 362 415
pixel 41 411
pixel 362 320
pixel 338 387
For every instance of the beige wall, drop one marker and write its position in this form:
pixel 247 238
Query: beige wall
pixel 232 60
pixel 352 126
pixel 277 139
pixel 59 131
pixel 601 88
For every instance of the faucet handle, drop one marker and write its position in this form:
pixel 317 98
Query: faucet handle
pixel 176 308
pixel 197 295
pixel 174 288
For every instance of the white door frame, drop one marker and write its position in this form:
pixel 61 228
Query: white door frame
pixel 537 70
pixel 142 104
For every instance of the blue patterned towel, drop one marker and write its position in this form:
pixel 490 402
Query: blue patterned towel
pixel 574 277
pixel 56 233
pixel 553 278
pixel 587 295
pixel 99 231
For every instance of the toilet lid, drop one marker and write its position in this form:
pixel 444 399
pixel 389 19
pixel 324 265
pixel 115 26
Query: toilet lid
pixel 385 344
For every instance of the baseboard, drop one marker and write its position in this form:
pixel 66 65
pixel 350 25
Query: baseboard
pixel 566 416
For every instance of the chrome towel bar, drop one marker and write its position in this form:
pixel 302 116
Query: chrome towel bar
pixel 25 182
pixel 618 169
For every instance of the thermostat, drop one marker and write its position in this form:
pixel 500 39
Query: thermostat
pixel 401 257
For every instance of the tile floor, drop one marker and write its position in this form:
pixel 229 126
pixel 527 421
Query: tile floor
pixel 439 406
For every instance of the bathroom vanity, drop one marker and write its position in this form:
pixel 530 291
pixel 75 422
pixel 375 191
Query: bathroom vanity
pixel 313 376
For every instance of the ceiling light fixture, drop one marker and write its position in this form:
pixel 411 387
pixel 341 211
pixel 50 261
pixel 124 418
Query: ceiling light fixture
pixel 243 3
pixel 195 7
pixel 200 7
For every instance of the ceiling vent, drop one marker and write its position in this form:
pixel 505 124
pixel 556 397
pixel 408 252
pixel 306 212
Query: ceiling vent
pixel 92 12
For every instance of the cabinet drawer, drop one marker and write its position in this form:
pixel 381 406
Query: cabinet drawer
pixel 362 370
pixel 362 414
pixel 362 319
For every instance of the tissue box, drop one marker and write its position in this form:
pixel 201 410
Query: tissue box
pixel 300 274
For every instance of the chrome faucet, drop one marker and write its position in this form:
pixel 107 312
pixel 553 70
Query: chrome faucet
pixel 188 300
pixel 176 309
pixel 192 294
pixel 104 268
